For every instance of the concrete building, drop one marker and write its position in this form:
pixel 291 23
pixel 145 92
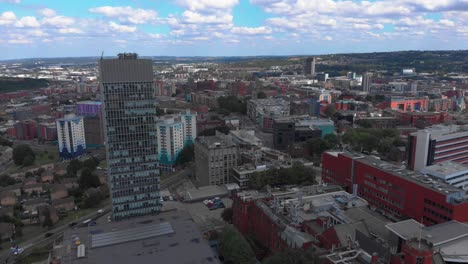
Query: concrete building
pixel 128 94
pixel 93 122
pixel 71 137
pixel 264 111
pixel 453 173
pixel 215 156
pixel 438 144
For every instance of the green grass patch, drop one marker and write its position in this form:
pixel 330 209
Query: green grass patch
pixel 103 164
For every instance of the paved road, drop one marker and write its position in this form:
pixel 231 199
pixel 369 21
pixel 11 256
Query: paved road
pixel 41 240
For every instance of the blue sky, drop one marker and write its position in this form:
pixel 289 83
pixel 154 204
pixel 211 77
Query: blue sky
pixel 58 28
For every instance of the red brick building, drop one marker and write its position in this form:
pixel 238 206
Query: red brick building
pixel 394 191
pixel 431 118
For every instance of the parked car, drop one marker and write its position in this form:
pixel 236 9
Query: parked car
pixel 48 234
pixel 100 211
pixel 72 224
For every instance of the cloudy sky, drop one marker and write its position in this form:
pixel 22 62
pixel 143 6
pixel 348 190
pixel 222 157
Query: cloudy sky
pixel 57 28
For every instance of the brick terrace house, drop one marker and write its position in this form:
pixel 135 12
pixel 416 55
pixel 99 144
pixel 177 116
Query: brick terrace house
pixel 64 204
pixel 8 198
pixel 58 191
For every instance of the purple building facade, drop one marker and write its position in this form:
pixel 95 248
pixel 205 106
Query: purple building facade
pixel 89 108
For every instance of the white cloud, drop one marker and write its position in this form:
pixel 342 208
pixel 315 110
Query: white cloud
pixel 37 33
pixel 155 36
pixel 126 14
pixel 446 23
pixel 235 41
pixel 7 18
pixel 327 38
pixel 27 21
pixel 201 38
pixel 47 12
pixel 121 28
pixel 207 5
pixel 195 18
pixel 58 21
pixel 70 31
pixel 10 1
pixel 251 30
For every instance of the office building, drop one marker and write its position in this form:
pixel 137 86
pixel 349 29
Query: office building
pixel 453 173
pixel 309 68
pixel 437 144
pixel 321 76
pixel 215 156
pixel 394 191
pixel 93 123
pixel 407 103
pixel 71 137
pixel 128 94
pixel 296 129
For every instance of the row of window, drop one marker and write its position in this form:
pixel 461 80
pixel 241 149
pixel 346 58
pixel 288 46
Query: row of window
pixel 437 205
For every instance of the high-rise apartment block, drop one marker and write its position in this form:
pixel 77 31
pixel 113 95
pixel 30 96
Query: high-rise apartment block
pixel 309 68
pixel 189 120
pixel 170 142
pixel 215 156
pixel 173 134
pixel 71 137
pixel 366 81
pixel 128 94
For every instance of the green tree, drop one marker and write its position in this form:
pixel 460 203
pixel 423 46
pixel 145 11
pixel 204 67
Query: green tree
pixel 227 215
pixel 186 155
pixel 234 247
pixel 28 161
pixel 90 163
pixel 5 142
pixel 261 95
pixel 93 199
pixel 6 180
pixel 330 110
pixel 47 219
pixel 331 139
pixel 316 146
pixel 88 179
pixel 20 153
pixel 293 256
pixel 232 104
pixel 74 166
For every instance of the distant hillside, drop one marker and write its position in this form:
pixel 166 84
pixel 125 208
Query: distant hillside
pixel 422 61
pixel 15 84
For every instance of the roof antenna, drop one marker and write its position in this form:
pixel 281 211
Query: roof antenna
pixel 102 55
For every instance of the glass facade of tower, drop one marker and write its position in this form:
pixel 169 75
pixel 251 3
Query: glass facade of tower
pixel 131 139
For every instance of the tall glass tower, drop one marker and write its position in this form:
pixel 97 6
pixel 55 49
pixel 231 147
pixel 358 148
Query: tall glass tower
pixel 128 94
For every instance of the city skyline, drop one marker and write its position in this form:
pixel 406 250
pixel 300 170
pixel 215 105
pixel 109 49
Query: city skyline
pixel 228 28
